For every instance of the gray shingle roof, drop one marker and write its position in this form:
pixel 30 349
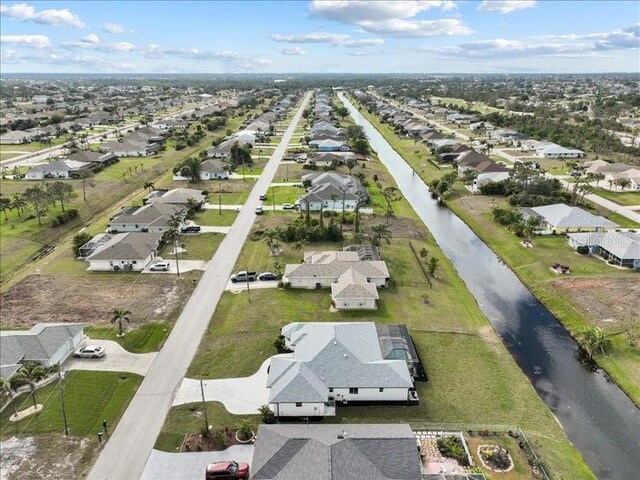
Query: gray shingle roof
pixel 332 355
pixel 565 216
pixel 336 452
pixel 127 246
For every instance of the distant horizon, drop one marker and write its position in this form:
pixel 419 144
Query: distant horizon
pixel 281 74
pixel 309 36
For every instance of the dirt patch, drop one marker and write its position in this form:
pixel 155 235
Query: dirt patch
pixel 46 456
pixel 605 301
pixel 217 440
pixel 92 299
pixel 479 204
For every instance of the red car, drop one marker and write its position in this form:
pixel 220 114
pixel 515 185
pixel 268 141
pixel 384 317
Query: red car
pixel 227 471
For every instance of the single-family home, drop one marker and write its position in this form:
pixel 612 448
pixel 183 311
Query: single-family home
pixel 557 151
pixel 152 217
pixel 127 252
pixel 321 269
pixel 329 145
pixel 59 169
pixel 562 218
pixel 332 191
pixel 472 160
pixel 618 248
pixel 339 451
pixel 47 344
pixel 334 363
pixel 95 158
pixel 16 137
pixel 352 291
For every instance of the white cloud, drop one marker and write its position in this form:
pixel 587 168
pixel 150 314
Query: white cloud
pixel 24 12
pixel 394 18
pixel 419 28
pixel 505 6
pixel 356 11
pixel 115 28
pixel 591 44
pixel 91 38
pixel 31 41
pixel 295 50
pixel 335 39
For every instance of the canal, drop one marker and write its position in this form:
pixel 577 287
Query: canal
pixel 597 416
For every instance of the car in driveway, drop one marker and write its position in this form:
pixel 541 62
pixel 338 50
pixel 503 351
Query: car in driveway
pixel 190 229
pixel 244 276
pixel 288 206
pixel 263 197
pixel 227 470
pixel 267 276
pixel 89 351
pixel 161 266
pixel 259 210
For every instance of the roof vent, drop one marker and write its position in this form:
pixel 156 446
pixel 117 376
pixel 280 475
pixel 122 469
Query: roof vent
pixel 345 355
pixel 342 435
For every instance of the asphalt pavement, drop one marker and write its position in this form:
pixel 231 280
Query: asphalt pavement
pixel 126 452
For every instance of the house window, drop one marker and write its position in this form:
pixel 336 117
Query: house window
pixel 298 404
pixel 331 390
pixel 353 391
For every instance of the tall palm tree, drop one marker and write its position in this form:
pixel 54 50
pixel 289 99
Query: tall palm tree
pixel 6 391
pixel 379 232
pixel 149 186
pixel 29 374
pixel 120 316
pixel 19 203
pixel 271 238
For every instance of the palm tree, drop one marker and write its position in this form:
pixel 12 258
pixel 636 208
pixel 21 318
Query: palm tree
pixel 379 232
pixel 149 186
pixel 19 203
pixel 6 390
pixel 271 238
pixel 299 245
pixel 120 316
pixel 593 340
pixel 29 374
pixel 389 194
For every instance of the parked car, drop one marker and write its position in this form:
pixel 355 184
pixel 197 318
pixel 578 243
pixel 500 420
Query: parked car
pixel 89 351
pixel 267 276
pixel 160 267
pixel 259 211
pixel 288 206
pixel 228 470
pixel 263 197
pixel 190 229
pixel 244 276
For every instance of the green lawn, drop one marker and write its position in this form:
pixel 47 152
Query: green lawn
pixel 147 338
pixel 473 378
pixel 289 194
pixel 215 217
pixel 90 398
pixel 621 198
pixel 199 246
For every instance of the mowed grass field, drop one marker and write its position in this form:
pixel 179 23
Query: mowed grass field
pixel 472 377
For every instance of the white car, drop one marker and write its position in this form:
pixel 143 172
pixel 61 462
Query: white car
pixel 160 267
pixel 89 351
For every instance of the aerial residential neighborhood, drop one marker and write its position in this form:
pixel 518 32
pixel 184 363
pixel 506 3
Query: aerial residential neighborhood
pixel 324 240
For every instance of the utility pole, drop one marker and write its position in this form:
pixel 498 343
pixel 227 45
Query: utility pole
pixel 204 408
pixel 220 199
pixel 64 412
pixel 273 198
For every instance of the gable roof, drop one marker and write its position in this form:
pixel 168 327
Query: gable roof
pixel 565 216
pixel 152 214
pixel 336 452
pixel 175 196
pixel 127 246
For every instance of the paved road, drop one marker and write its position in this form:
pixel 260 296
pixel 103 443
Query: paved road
pixel 116 359
pixel 128 449
pixel 191 466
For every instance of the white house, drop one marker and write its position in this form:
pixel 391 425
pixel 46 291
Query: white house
pixel 125 252
pixel 153 217
pixel 562 218
pixel 618 248
pixel 61 169
pixel 47 344
pixel 321 269
pixel 334 363
pixel 332 191
pixel 352 291
pixel 556 151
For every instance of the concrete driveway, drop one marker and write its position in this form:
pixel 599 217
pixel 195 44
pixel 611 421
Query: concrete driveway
pixel 257 285
pixel 215 206
pixel 116 359
pixel 211 229
pixel 191 466
pixel 185 266
pixel 240 396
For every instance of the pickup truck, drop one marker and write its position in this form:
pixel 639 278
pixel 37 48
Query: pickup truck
pixel 244 276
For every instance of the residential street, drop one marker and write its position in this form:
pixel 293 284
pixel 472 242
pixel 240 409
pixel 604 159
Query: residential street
pixel 127 451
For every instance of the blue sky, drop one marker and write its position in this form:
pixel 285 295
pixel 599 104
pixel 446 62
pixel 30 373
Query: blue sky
pixel 430 36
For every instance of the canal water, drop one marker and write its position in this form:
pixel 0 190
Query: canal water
pixel 597 416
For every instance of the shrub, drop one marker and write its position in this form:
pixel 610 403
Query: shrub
pixel 79 240
pixel 582 249
pixel 64 217
pixel 452 447
pixel 493 188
